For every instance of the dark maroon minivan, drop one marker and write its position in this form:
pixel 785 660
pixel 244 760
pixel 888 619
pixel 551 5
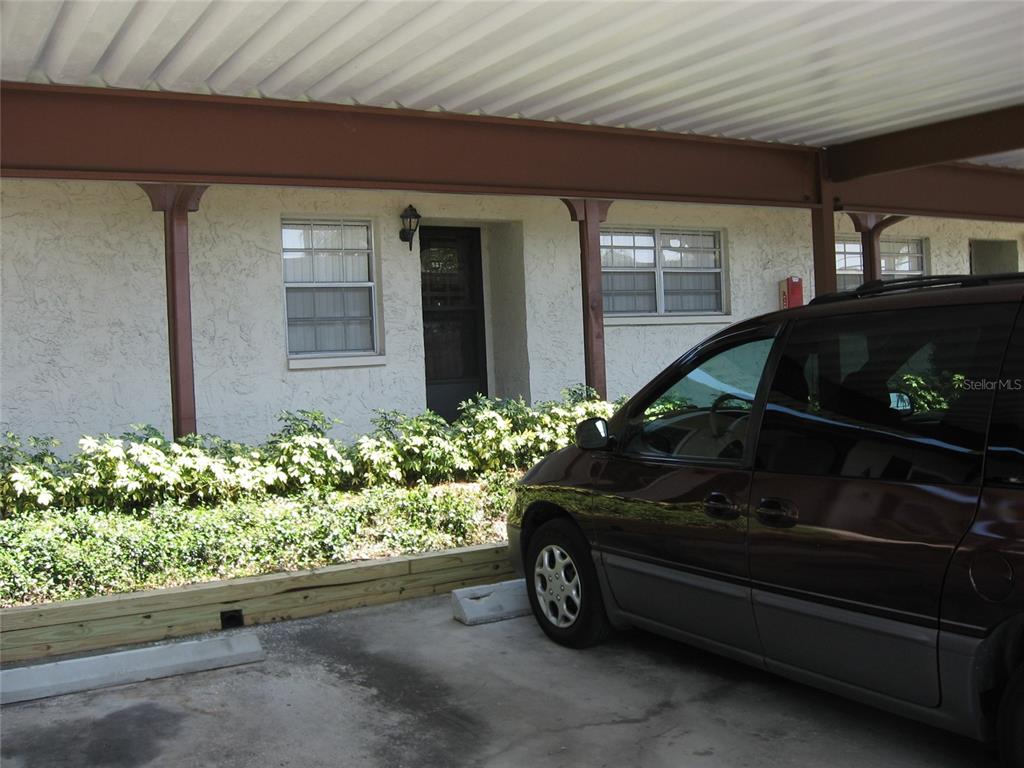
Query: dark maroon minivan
pixel 834 493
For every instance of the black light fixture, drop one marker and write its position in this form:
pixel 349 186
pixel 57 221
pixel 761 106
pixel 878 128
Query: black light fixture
pixel 410 223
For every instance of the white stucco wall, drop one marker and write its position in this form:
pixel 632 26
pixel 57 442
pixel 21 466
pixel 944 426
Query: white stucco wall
pixel 762 246
pixel 550 253
pixel 505 299
pixel 238 317
pixel 83 315
pixel 83 344
pixel 948 240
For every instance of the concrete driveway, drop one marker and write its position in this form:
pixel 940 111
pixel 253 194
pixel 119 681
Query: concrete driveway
pixel 405 685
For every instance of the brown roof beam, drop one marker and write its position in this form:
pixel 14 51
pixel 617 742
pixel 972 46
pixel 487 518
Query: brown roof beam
pixel 988 133
pixel 956 190
pixel 67 132
pixel 106 133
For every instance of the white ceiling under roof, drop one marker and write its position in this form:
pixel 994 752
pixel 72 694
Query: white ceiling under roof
pixel 815 73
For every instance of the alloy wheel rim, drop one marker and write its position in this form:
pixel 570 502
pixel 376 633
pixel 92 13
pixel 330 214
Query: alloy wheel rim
pixel 556 581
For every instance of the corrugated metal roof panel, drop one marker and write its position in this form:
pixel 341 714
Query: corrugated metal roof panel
pixel 812 73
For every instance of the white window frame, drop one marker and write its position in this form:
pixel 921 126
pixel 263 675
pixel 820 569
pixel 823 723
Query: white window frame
pixel 316 359
pixel 660 269
pixel 925 261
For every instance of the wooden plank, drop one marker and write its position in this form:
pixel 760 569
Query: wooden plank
pixel 141 635
pixel 133 603
pixel 235 589
pixel 305 611
pixel 484 553
pixel 110 621
pixel 159 628
pixel 124 626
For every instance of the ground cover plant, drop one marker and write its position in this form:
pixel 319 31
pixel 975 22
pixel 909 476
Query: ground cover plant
pixel 140 511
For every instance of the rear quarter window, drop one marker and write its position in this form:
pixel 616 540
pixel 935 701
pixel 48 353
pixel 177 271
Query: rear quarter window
pixel 1004 464
pixel 886 395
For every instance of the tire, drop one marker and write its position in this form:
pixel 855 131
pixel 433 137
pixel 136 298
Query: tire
pixel 1010 725
pixel 562 585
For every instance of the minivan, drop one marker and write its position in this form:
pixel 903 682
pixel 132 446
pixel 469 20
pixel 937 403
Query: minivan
pixel 834 493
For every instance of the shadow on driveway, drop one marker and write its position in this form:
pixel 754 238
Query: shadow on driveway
pixel 405 685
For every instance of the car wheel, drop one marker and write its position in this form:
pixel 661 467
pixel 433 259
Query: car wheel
pixel 1010 726
pixel 562 585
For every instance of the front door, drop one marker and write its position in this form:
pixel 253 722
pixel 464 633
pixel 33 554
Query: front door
pixel 867 475
pixel 671 515
pixel 453 317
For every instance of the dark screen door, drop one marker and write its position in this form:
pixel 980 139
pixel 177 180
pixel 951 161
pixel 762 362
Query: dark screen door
pixel 453 317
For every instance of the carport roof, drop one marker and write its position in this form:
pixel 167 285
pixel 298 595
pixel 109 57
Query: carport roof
pixel 819 73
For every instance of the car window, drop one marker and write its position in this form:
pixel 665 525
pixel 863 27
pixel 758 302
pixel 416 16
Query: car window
pixel 885 395
pixel 1005 461
pixel 705 413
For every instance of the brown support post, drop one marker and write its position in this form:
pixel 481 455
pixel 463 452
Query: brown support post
pixel 870 226
pixel 823 234
pixel 590 213
pixel 176 201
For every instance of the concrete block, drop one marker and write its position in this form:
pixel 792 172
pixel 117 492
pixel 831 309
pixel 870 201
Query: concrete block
pixel 39 681
pixel 491 602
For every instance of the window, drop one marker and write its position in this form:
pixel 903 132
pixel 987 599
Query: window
pixel 885 395
pixel 901 257
pixel 661 271
pixel 706 413
pixel 1005 462
pixel 330 290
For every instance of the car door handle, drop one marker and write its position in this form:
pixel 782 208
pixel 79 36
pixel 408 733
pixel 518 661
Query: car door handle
pixel 718 506
pixel 778 513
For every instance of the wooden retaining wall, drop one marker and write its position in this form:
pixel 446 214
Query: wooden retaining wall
pixel 101 622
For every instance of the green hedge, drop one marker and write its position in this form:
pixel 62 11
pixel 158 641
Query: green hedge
pixel 143 468
pixel 82 552
pixel 141 511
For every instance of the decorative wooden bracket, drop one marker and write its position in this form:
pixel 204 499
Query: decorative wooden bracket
pixel 176 201
pixel 590 213
pixel 871 226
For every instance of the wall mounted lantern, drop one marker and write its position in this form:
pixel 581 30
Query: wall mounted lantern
pixel 410 223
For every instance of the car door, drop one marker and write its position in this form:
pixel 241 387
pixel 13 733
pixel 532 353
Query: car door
pixel 984 586
pixel 670 513
pixel 868 471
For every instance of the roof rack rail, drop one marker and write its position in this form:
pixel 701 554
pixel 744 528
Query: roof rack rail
pixel 882 287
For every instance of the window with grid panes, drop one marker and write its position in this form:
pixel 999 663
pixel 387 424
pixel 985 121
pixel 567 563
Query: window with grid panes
pixel 901 257
pixel 661 271
pixel 330 287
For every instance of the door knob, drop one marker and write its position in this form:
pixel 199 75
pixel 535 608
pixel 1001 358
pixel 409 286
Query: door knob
pixel 718 506
pixel 778 513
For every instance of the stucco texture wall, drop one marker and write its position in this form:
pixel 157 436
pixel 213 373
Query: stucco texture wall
pixel 83 323
pixel 83 344
pixel 505 308
pixel 948 240
pixel 550 254
pixel 83 341
pixel 242 377
pixel 762 246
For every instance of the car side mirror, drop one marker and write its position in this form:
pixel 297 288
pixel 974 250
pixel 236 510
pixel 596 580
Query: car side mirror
pixel 592 434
